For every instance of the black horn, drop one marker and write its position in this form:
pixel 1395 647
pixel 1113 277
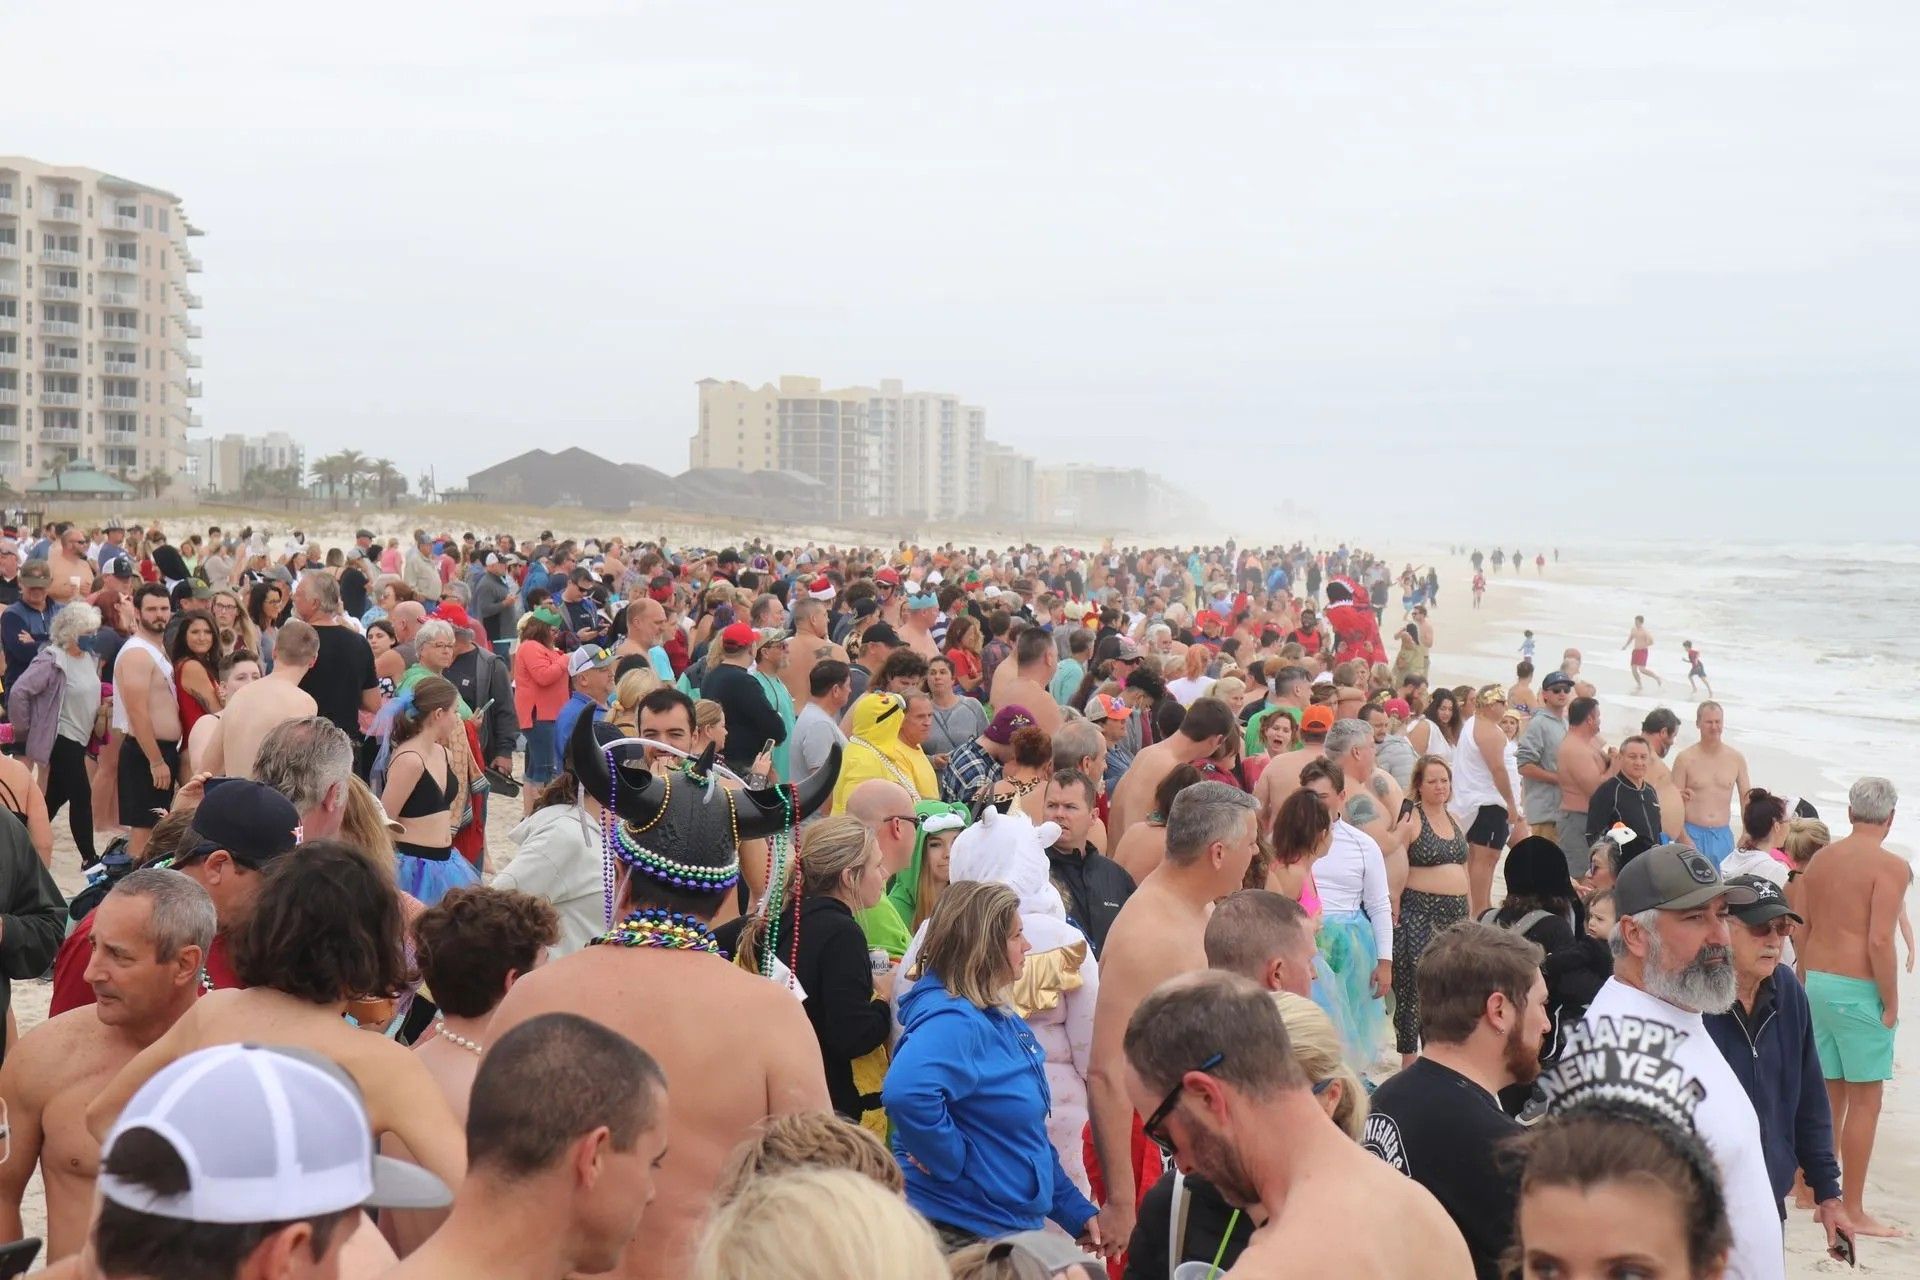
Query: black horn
pixel 767 813
pixel 637 795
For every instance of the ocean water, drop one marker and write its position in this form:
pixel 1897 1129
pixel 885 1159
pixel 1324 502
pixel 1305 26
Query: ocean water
pixel 1814 650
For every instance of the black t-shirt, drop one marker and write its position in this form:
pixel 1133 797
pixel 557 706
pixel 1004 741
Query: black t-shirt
pixel 1445 1132
pixel 342 673
pixel 353 590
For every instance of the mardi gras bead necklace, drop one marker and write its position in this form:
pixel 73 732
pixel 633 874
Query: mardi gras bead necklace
pixel 661 929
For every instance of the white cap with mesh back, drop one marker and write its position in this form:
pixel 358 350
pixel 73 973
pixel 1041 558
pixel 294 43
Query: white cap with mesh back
pixel 267 1134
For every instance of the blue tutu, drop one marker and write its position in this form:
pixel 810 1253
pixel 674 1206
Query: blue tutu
pixel 428 879
pixel 1342 986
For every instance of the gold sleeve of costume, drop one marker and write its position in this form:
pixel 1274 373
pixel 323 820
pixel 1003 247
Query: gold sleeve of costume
pixel 1047 975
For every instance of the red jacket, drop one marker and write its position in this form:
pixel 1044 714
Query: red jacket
pixel 540 684
pixel 70 988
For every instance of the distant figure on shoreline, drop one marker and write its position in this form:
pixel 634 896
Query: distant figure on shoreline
pixel 1696 669
pixel 1640 640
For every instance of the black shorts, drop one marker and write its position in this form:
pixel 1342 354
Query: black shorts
pixel 139 798
pixel 1490 828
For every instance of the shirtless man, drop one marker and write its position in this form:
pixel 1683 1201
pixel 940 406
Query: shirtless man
pixel 150 937
pixel 593 1105
pixel 1370 798
pixel 147 714
pixel 687 1006
pixel 267 703
pixel 810 647
pixel 1712 778
pixel 237 671
pixel 1208 725
pixel 1851 894
pixel 71 567
pixel 1660 728
pixel 1210 1064
pixel 1281 777
pixel 1640 640
pixel 1160 932
pixel 1583 767
pixel 1023 681
pixel 921 611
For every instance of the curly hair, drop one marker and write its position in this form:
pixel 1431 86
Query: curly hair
pixel 469 941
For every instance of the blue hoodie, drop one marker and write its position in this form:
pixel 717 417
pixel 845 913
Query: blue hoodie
pixel 1780 1071
pixel 967 1094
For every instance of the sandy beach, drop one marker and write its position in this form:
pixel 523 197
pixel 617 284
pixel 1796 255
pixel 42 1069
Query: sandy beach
pixel 1473 646
pixel 1476 646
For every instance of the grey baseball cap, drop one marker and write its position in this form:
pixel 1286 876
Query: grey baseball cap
pixel 1673 877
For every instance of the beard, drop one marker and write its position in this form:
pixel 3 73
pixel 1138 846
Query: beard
pixel 1706 985
pixel 1522 1055
pixel 1216 1160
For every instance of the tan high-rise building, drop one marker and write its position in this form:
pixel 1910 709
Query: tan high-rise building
pixel 95 303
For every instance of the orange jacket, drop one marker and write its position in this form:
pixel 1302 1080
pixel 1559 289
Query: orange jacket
pixel 540 684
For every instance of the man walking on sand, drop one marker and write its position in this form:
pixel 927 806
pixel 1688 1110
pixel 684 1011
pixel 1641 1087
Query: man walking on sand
pixel 1712 778
pixel 1851 894
pixel 1640 640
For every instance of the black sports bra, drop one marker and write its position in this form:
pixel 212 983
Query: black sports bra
pixel 427 797
pixel 13 804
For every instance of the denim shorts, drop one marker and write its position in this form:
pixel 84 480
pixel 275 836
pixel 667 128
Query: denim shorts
pixel 542 763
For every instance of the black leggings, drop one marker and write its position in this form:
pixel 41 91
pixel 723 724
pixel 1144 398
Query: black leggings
pixel 67 784
pixel 1423 916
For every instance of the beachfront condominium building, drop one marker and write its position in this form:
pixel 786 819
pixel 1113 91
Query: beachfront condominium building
pixel 96 320
pixel 221 464
pixel 880 451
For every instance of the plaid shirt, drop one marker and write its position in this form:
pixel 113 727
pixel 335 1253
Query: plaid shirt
pixel 969 772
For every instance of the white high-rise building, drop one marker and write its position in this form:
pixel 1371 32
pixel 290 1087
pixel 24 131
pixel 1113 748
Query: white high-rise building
pixel 96 298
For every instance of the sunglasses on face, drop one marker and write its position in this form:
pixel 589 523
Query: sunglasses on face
pixel 1779 928
pixel 1160 1113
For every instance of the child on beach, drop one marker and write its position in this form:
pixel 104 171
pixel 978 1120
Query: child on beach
pixel 1696 669
pixel 1479 587
pixel 1526 646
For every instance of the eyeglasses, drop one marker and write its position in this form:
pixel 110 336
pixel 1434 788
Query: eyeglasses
pixel 1160 1113
pixel 1779 928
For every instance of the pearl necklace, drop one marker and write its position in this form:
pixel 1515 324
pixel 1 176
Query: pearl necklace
pixel 455 1039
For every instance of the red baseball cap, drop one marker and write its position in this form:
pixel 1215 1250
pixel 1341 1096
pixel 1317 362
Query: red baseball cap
pixel 452 614
pixel 739 636
pixel 888 575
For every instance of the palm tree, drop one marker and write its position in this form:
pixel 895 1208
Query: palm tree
pixel 157 479
pixel 329 471
pixel 387 479
pixel 354 468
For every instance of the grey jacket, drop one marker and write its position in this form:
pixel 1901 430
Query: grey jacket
pixel 490 608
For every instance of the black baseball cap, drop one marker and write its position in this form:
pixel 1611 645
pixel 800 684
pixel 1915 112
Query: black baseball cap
pixel 1557 680
pixel 1673 877
pixel 250 820
pixel 1768 902
pixel 119 567
pixel 881 633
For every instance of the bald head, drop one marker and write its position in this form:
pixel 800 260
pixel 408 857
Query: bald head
pixel 407 617
pixel 886 809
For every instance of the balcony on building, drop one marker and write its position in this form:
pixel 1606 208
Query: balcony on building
pixel 59 293
pixel 121 221
pixel 60 435
pixel 191 299
pixel 9 324
pixel 57 212
pixel 60 257
pixel 9 431
pixel 120 369
pixel 59 328
pixel 9 207
pixel 9 396
pixel 193 390
pixel 193 330
pixel 191 263
pixel 9 360
pixel 116 333
pixel 122 435
pixel 60 399
pixel 8 286
pixel 122 403
pixel 59 364
pixel 124 262
pixel 9 249
pixel 193 361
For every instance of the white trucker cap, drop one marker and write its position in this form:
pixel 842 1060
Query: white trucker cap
pixel 268 1134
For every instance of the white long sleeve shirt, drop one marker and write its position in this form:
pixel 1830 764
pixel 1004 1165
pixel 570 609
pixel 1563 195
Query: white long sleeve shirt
pixel 1353 877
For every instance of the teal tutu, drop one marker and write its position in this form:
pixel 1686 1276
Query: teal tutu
pixel 428 879
pixel 1342 986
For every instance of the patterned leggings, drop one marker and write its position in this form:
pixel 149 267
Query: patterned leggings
pixel 1422 916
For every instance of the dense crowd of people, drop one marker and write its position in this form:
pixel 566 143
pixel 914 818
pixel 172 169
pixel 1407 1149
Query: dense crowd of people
pixel 895 913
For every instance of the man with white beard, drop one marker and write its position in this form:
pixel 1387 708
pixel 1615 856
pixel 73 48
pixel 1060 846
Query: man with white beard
pixel 1672 962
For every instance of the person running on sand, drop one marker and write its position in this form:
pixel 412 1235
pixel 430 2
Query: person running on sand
pixel 1696 668
pixel 1850 895
pixel 1640 640
pixel 1712 778
pixel 1210 1064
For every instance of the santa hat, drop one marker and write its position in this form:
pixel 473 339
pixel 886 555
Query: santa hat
pixel 821 588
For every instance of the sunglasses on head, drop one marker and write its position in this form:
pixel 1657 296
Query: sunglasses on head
pixel 1160 1113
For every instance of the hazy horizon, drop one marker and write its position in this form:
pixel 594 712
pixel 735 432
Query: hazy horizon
pixel 1455 271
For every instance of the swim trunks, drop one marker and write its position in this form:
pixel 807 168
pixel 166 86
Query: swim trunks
pixel 1639 658
pixel 142 804
pixel 1847 1032
pixel 1715 842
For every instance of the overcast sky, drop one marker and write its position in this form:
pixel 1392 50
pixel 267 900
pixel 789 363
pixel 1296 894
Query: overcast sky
pixel 1516 269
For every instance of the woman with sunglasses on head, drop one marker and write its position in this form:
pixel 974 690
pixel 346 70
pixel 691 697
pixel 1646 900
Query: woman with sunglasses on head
pixel 966 1092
